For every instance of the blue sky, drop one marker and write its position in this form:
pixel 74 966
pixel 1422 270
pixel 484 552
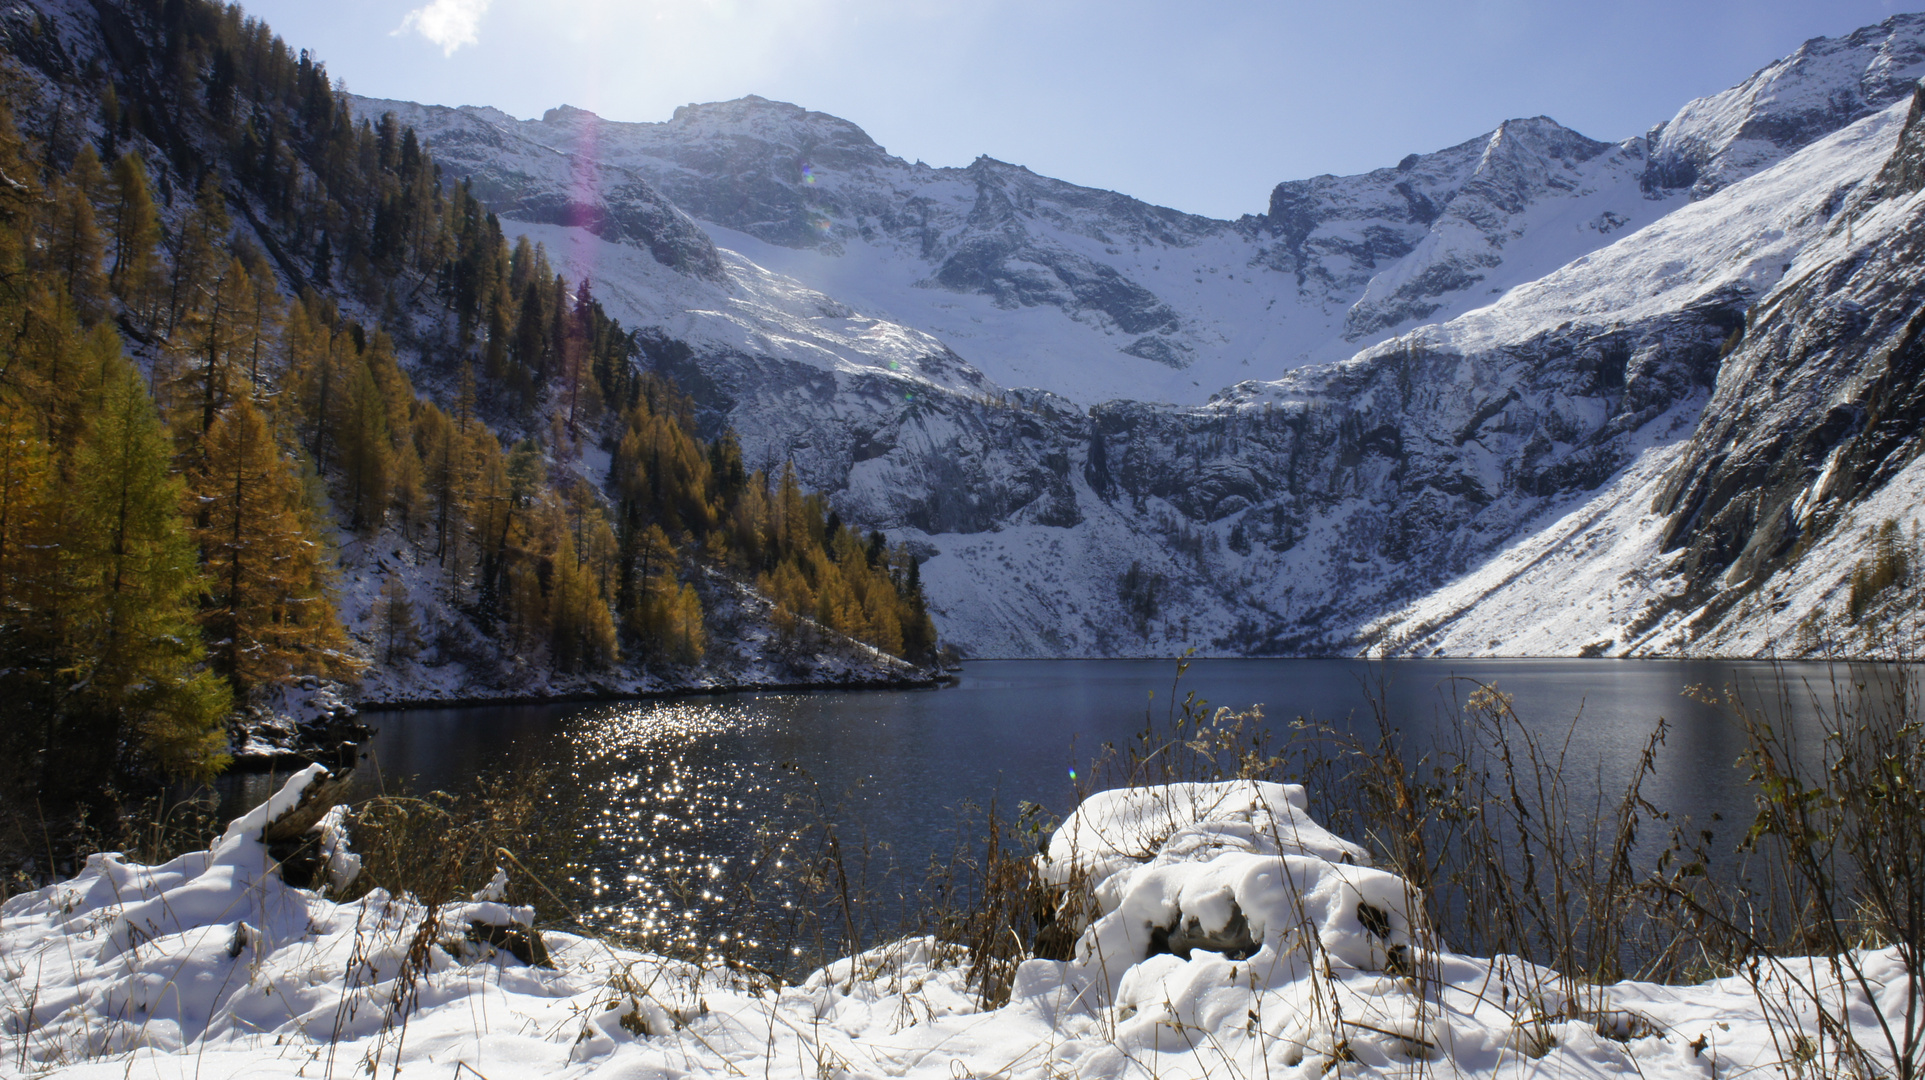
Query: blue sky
pixel 1203 106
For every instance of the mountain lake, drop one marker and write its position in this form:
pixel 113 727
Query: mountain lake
pixel 683 801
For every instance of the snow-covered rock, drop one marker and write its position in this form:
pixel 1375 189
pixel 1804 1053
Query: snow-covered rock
pixel 212 965
pixel 304 721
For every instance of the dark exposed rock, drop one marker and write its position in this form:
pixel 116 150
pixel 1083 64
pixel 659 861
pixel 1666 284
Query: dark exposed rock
pixel 1233 939
pixel 1904 174
pixel 519 940
pixel 295 726
pixel 1159 349
pixel 293 839
pixel 1375 920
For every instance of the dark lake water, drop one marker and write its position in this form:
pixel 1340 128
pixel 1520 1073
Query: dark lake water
pixel 679 796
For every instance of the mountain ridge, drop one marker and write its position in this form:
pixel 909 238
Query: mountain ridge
pixel 813 196
pixel 1531 285
pixel 1827 83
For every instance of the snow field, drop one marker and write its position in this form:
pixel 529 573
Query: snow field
pixel 1228 935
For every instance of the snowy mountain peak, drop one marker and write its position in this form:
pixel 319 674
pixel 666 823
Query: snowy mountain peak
pixel 1829 82
pixel 777 122
pixel 1401 245
pixel 1541 137
pixel 565 113
pixel 780 159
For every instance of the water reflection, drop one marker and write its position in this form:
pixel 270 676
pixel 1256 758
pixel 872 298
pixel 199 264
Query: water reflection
pixel 704 809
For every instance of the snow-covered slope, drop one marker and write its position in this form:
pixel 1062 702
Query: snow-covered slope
pixel 1447 231
pixel 1230 935
pixel 1826 84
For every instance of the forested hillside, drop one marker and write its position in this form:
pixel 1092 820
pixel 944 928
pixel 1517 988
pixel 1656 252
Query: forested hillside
pixel 280 401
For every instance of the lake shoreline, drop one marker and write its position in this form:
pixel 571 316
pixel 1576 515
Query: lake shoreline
pixel 297 747
pixel 611 695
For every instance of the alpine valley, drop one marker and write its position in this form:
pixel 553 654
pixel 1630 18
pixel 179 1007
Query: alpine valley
pixel 1532 394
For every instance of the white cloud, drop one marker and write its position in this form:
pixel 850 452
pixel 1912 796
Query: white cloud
pixel 447 23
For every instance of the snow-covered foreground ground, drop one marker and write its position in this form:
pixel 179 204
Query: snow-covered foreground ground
pixel 211 967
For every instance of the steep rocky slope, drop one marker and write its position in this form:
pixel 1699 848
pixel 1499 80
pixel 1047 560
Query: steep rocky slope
pixel 1758 534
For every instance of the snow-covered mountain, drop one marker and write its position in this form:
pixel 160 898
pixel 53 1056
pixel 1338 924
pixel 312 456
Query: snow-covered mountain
pixel 1088 294
pixel 1826 84
pixel 1533 448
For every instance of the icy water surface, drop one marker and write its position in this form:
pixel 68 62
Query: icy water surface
pixel 686 799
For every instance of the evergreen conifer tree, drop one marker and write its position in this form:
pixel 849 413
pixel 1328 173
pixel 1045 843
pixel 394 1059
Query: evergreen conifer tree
pixel 268 611
pixel 137 584
pixel 137 273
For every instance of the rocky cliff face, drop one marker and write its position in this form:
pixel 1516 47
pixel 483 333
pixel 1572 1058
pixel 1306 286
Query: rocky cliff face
pixel 1818 411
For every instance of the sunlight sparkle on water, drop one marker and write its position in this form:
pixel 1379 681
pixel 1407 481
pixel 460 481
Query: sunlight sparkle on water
pixel 685 826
